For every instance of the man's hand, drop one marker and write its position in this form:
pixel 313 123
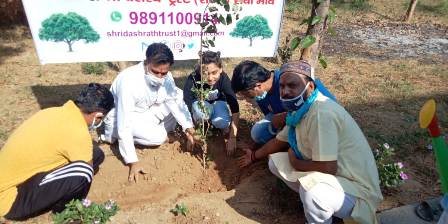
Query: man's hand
pixel 246 159
pixel 134 170
pixel 278 121
pixel 231 145
pixel 231 139
pixel 190 139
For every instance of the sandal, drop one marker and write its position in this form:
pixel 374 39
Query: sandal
pixel 426 212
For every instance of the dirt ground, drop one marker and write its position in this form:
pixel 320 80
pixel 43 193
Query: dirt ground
pixel 381 71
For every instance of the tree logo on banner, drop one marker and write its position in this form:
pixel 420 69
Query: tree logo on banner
pixel 252 27
pixel 68 28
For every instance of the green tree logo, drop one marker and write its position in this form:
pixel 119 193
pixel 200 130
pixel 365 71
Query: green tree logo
pixel 67 28
pixel 252 27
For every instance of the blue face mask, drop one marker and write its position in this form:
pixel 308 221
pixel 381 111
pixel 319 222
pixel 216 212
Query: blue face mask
pixel 261 97
pixel 296 102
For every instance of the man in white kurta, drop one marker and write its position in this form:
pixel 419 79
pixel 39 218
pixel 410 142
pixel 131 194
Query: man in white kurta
pixel 334 171
pixel 147 106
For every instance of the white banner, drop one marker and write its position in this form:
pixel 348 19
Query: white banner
pixel 113 30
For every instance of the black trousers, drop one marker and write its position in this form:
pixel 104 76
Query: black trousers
pixel 51 190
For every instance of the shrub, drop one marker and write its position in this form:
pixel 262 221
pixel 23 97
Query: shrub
pixel 93 68
pixel 391 173
pixel 85 212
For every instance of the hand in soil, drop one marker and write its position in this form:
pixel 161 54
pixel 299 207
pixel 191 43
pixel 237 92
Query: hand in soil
pixel 135 169
pixel 230 145
pixel 245 160
pixel 190 141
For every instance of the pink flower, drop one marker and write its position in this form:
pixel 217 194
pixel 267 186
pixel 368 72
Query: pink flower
pixel 386 146
pixel 400 165
pixel 403 176
pixel 108 205
pixel 86 202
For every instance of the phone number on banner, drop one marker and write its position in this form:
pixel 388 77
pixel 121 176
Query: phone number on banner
pixel 166 18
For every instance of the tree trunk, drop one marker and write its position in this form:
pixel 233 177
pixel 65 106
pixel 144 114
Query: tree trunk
pixel 250 45
pixel 411 10
pixel 317 30
pixel 70 46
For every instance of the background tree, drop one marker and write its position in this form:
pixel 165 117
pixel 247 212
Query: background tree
pixel 252 27
pixel 411 10
pixel 68 28
pixel 317 26
pixel 318 23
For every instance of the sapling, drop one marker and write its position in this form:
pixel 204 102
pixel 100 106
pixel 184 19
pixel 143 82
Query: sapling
pixel 209 25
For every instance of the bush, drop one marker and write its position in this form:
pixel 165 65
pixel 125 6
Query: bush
pixel 93 68
pixel 85 212
pixel 391 173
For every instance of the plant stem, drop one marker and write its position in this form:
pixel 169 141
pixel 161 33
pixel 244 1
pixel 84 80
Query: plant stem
pixel 201 95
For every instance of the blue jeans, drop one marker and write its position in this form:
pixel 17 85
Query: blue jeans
pixel 444 203
pixel 262 131
pixel 218 111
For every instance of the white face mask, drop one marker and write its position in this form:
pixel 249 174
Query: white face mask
pixel 94 126
pixel 153 80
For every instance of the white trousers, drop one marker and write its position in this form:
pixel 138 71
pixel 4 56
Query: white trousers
pixel 149 127
pixel 443 218
pixel 322 201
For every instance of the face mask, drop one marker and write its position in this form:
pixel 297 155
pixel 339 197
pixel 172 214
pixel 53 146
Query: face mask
pixel 261 97
pixel 94 126
pixel 296 102
pixel 153 80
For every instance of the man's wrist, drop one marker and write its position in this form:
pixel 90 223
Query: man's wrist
pixel 253 158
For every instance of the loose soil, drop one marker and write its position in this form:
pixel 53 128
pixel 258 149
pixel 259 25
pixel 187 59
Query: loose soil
pixel 380 71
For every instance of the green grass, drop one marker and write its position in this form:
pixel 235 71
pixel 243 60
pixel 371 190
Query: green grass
pixel 354 5
pixel 440 72
pixel 400 140
pixel 300 7
pixel 437 7
pixel 400 67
